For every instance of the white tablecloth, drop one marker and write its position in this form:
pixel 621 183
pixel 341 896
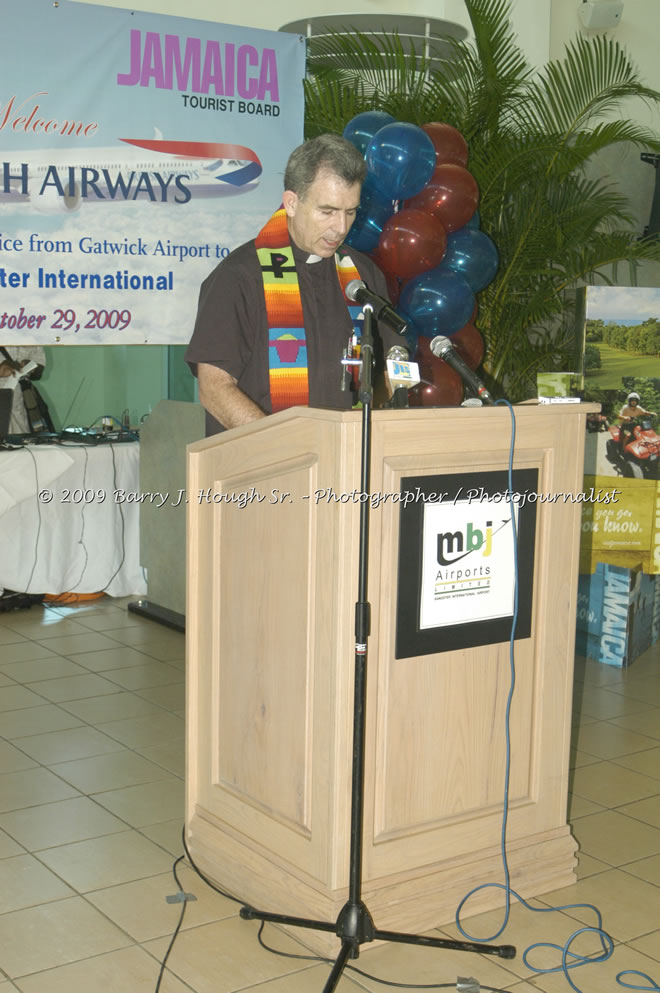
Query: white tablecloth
pixel 67 520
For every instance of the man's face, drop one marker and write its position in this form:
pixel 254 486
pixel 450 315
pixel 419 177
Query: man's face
pixel 319 221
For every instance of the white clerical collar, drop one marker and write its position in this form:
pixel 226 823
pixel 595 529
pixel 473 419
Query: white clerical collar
pixel 313 258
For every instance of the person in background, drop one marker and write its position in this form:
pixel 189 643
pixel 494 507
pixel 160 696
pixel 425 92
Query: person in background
pixel 630 410
pixel 13 358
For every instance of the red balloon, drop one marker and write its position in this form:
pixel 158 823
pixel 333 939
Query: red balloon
pixel 393 287
pixel 451 196
pixel 440 386
pixel 449 144
pixel 411 243
pixel 469 344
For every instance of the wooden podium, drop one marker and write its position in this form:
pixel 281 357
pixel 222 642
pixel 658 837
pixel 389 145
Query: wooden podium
pixel 272 585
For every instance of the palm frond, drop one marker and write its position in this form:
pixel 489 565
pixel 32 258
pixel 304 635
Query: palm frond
pixel 532 137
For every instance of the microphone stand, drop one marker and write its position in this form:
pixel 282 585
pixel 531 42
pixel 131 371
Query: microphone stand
pixel 354 925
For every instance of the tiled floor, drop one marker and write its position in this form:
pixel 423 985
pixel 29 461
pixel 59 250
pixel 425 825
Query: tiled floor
pixel 91 806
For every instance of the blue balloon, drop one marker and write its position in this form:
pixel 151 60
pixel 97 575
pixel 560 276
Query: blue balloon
pixel 371 215
pixel 361 129
pixel 474 222
pixel 437 301
pixel 401 159
pixel 471 254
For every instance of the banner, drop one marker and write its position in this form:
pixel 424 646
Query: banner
pixel 136 151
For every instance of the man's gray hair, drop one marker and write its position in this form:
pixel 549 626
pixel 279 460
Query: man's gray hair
pixel 328 151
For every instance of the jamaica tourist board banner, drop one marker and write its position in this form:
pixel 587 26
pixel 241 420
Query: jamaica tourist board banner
pixel 136 151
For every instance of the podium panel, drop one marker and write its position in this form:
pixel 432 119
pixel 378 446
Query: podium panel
pixel 272 585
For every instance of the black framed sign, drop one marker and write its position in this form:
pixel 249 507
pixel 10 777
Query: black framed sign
pixel 457 568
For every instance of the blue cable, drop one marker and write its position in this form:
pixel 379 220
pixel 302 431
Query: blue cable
pixel 569 960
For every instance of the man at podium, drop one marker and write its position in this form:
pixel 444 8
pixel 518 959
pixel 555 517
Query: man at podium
pixel 273 318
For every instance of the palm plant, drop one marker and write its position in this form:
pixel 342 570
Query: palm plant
pixel 532 136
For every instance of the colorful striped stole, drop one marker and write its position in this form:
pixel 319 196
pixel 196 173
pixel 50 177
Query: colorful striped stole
pixel 287 345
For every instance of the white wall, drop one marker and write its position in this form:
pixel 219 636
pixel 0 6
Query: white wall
pixel 638 33
pixel 531 17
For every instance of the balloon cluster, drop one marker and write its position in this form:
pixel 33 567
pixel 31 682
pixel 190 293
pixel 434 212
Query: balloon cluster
pixel 418 219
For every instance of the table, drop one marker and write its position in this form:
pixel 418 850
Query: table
pixel 69 519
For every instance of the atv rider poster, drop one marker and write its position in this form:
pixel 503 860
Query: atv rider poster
pixel 622 373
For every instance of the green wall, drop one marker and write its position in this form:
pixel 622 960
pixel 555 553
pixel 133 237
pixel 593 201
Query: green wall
pixel 82 383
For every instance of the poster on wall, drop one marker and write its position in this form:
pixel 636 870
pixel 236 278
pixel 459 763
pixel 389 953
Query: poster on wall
pixel 136 151
pixel 466 560
pixel 622 450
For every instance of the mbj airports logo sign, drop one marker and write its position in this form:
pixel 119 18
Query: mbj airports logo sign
pixel 468 569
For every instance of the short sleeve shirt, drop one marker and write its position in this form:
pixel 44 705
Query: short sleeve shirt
pixel 231 328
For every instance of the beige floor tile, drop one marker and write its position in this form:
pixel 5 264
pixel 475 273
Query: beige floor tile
pixel 7 680
pixel 36 720
pixel 615 838
pixel 164 651
pixel 579 807
pixel 8 987
pixel 8 847
pixel 603 704
pixel 171 697
pixel 647 690
pixel 644 810
pixel 63 746
pixel 599 977
pixel 225 956
pixel 119 657
pixel 48 625
pixel 141 908
pixel 129 970
pixel 588 866
pixel 148 633
pixel 630 907
pixel 107 861
pixel 152 729
pixel 74 688
pixel 408 964
pixel 25 651
pixel 53 934
pixel 526 927
pixel 12 759
pixel 607 741
pixel 25 882
pixel 611 785
pixel 647 762
pixel 149 803
pixel 580 759
pixel 87 641
pixel 167 835
pixel 18 698
pixel 31 787
pixel 104 620
pixel 172 757
pixel 140 677
pixel 51 668
pixel 649 945
pixel 110 772
pixel 60 823
pixel 648 869
pixel 9 637
pixel 312 979
pixel 647 723
pixel 114 707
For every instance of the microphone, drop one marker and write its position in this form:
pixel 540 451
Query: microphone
pixel 402 374
pixel 359 292
pixel 442 348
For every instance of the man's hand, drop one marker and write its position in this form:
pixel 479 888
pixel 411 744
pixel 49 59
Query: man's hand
pixel 219 394
pixel 5 370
